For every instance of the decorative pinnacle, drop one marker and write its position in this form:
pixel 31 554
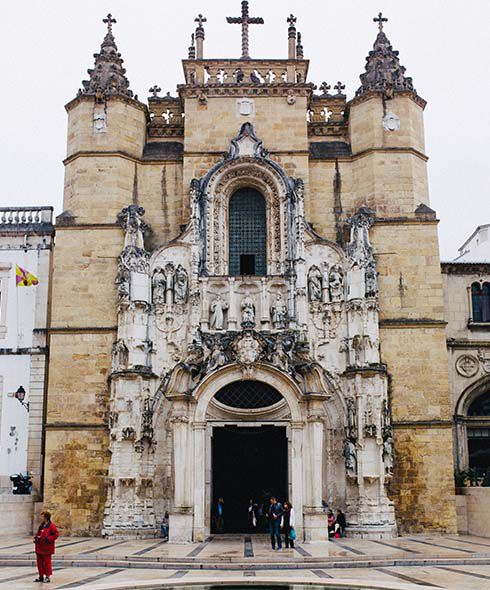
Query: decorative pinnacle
pixel 155 90
pixel 339 87
pixel 200 19
pixel 380 20
pixel 291 20
pixel 245 20
pixel 109 21
pixel 324 87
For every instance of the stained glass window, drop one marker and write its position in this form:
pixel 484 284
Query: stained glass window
pixel 248 233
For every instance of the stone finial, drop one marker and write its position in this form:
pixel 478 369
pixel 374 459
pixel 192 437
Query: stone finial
pixel 199 52
pixel 324 88
pixel 339 87
pixel 245 20
pixel 192 48
pixel 107 78
pixel 299 48
pixel 154 91
pixel 383 70
pixel 291 36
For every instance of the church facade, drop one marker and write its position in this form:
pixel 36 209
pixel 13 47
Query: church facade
pixel 247 301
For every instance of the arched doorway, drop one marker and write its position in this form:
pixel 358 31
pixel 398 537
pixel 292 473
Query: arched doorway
pixel 247 233
pixel 249 461
pixel 478 433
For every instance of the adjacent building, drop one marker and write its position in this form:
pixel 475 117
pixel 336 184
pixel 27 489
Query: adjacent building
pixel 26 245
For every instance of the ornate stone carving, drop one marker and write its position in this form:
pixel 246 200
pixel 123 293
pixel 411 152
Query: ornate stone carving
pixel 371 280
pixel 467 365
pixel 391 122
pixel 170 285
pixel 217 311
pixel 350 457
pixel 247 348
pixel 279 312
pixel 158 283
pixel 359 248
pixel 181 289
pixel 314 284
pixel 388 451
pixel 131 220
pixel 336 283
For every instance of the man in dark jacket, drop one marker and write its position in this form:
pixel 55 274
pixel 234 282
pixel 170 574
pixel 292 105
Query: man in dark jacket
pixel 44 545
pixel 275 513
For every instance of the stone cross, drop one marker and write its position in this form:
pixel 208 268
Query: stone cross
pixel 155 90
pixel 200 19
pixel 324 87
pixel 380 20
pixel 245 20
pixel 291 20
pixel 339 87
pixel 109 21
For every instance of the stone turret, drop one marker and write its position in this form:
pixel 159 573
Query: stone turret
pixel 104 117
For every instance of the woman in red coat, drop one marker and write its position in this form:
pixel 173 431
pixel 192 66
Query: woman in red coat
pixel 44 543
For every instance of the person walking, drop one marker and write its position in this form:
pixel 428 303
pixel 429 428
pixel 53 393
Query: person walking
pixel 288 525
pixel 275 513
pixel 252 516
pixel 165 523
pixel 220 515
pixel 47 534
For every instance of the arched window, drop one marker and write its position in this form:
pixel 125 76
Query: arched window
pixel 478 429
pixel 248 395
pixel 248 233
pixel 480 302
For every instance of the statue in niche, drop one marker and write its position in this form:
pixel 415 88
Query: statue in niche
pixel 169 283
pixel 388 454
pixel 248 312
pixel 350 457
pixel 181 288
pixel 279 312
pixel 351 418
pixel 122 282
pixel 371 280
pixel 217 358
pixel 131 220
pixel 158 286
pixel 359 248
pixel 336 283
pixel 279 357
pixel 217 313
pixel 314 284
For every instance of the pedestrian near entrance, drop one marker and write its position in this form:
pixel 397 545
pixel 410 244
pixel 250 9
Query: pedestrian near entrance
pixel 165 523
pixel 275 513
pixel 44 545
pixel 341 521
pixel 252 516
pixel 288 525
pixel 220 515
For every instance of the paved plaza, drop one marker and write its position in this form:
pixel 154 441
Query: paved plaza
pixel 416 562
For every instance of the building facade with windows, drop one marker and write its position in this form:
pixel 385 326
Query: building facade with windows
pixel 247 301
pixel 26 243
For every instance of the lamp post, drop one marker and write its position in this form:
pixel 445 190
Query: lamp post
pixel 20 394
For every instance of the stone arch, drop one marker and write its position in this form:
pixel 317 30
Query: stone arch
pixel 276 187
pixel 470 394
pixel 215 381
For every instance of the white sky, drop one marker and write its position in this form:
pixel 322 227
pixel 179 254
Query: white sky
pixel 444 44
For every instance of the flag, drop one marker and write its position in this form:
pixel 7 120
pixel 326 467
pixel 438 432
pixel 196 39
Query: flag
pixel 24 278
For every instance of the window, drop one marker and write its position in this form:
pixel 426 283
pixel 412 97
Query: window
pixel 248 233
pixel 248 395
pixel 479 434
pixel 480 302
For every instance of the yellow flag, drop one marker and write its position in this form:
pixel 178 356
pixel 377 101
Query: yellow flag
pixel 24 278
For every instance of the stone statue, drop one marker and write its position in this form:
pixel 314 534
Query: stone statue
pixel 371 280
pixel 359 248
pixel 279 312
pixel 158 286
pixel 216 315
pixel 336 283
pixel 131 220
pixel 351 417
pixel 169 283
pixel 217 358
pixel 248 312
pixel 314 284
pixel 388 455
pixel 181 288
pixel 350 457
pixel 280 357
pixel 122 282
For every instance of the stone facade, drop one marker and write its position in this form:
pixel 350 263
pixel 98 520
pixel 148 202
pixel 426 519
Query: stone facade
pixel 342 323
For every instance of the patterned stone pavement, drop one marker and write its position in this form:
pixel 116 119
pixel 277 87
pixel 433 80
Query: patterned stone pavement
pixel 417 562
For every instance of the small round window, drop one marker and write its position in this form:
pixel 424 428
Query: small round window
pixel 248 395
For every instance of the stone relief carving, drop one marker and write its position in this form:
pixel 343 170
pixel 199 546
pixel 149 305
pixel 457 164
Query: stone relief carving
pixel 350 457
pixel 158 287
pixel 314 284
pixel 170 285
pixel 181 289
pixel 467 365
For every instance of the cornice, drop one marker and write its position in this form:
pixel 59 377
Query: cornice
pixel 412 323
pixel 116 154
pixel 82 330
pixel 91 98
pixel 380 94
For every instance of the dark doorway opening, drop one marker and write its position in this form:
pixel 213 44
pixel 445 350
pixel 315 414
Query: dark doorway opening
pixel 248 463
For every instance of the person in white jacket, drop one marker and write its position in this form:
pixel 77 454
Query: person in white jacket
pixel 287 524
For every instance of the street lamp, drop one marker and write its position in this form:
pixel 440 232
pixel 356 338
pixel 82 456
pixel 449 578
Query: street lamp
pixel 20 394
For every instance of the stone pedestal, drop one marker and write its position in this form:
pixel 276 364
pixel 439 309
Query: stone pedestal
pixel 180 526
pixel 315 526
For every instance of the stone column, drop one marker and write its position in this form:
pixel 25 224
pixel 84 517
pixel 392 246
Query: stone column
pixel 199 480
pixel 297 470
pixel 232 311
pixel 181 518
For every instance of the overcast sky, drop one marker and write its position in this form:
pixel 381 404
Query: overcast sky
pixel 444 44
